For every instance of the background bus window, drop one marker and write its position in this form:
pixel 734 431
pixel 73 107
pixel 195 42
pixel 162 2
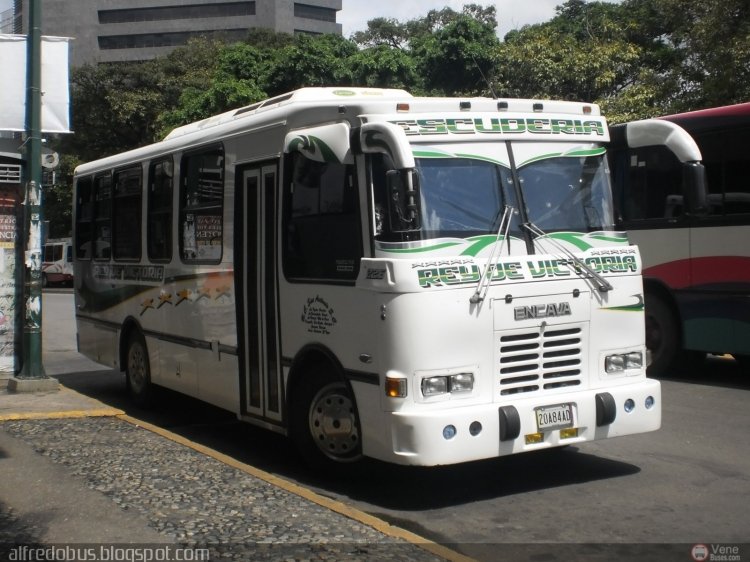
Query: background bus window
pixel 102 216
pixel 126 241
pixel 725 157
pixel 159 234
pixel 201 220
pixel 52 253
pixel 321 223
pixel 652 185
pixel 84 216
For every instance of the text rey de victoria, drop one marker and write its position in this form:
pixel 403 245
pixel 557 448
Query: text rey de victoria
pixel 465 273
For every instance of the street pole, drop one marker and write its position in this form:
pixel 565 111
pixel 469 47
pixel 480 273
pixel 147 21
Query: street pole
pixel 33 370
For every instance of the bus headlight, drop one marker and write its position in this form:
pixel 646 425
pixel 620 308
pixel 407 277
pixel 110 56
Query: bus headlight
pixel 434 385
pixel 634 360
pixel 462 382
pixel 614 363
pixel 453 384
pixel 623 362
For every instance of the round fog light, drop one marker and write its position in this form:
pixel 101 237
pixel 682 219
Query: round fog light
pixel 449 432
pixel 650 402
pixel 629 405
pixel 475 428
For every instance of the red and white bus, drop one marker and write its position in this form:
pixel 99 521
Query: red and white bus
pixel 695 247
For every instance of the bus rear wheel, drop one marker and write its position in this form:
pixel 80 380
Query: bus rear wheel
pixel 325 423
pixel 138 371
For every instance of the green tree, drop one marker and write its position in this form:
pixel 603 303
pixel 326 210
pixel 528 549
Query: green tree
pixel 384 67
pixel 233 83
pixel 455 52
pixel 385 32
pixel 310 61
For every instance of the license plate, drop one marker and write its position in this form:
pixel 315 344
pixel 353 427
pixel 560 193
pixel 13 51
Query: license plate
pixel 554 417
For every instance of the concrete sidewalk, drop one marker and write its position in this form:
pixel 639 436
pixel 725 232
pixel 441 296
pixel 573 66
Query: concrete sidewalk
pixel 63 403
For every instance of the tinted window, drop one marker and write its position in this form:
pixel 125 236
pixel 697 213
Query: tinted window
pixel 321 222
pixel 84 217
pixel 126 241
pixel 160 210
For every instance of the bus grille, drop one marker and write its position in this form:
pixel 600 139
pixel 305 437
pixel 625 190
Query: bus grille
pixel 540 359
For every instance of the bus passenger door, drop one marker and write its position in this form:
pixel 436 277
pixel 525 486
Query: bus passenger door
pixel 256 202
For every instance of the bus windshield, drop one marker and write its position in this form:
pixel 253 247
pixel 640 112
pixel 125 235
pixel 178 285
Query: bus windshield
pixel 566 193
pixel 557 191
pixel 463 196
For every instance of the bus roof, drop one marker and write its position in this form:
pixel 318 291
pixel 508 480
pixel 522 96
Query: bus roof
pixel 335 101
pixel 712 118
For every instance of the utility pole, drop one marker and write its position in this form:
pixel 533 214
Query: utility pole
pixel 32 376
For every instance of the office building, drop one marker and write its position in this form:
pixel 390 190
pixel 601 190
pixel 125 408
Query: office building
pixel 132 30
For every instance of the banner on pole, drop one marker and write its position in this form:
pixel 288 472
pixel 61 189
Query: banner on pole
pixel 55 84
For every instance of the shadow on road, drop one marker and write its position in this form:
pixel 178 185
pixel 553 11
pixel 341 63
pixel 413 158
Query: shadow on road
pixel 715 370
pixel 379 484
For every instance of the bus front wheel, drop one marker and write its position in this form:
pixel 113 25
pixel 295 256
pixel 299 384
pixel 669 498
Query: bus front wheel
pixel 138 371
pixel 662 335
pixel 325 424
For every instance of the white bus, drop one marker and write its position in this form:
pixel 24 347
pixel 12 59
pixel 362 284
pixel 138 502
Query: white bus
pixel 423 281
pixel 57 262
pixel 687 206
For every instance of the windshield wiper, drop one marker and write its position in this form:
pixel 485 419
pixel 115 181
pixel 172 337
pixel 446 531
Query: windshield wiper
pixel 601 283
pixel 484 281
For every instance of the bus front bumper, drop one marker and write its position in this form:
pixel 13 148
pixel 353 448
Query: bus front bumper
pixel 461 434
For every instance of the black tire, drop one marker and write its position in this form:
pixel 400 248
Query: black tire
pixel 662 336
pixel 45 281
pixel 324 421
pixel 138 371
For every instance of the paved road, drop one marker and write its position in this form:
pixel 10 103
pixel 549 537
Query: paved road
pixel 688 483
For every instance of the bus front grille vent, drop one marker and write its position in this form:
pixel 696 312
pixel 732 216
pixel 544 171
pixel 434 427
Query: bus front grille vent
pixel 539 360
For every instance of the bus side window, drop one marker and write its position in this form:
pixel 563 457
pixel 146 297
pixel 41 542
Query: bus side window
pixel 653 185
pixel 126 242
pixel 201 199
pixel 725 157
pixel 84 216
pixel 102 216
pixel 159 230
pixel 321 220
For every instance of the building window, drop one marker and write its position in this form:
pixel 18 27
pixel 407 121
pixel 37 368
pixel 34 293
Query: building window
pixel 192 11
pixel 314 12
pixel 173 39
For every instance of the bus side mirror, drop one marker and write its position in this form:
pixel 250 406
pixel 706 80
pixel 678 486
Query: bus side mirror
pixel 403 200
pixel 694 182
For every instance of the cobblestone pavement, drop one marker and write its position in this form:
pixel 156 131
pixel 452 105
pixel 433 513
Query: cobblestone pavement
pixel 194 500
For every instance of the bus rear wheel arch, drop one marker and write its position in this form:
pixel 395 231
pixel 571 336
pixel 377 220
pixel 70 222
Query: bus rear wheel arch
pixel 324 423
